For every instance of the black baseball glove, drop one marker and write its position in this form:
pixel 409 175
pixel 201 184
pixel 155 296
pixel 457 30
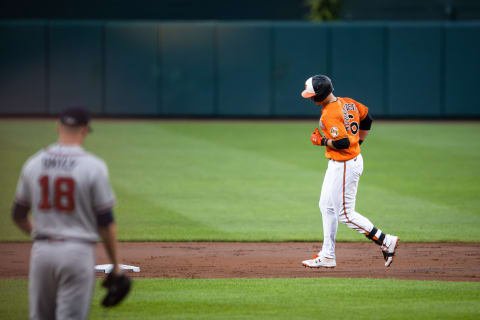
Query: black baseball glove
pixel 118 287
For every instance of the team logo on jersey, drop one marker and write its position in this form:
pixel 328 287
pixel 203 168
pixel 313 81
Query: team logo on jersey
pixel 334 132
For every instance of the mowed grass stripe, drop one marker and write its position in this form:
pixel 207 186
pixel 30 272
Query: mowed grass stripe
pixel 224 188
pixel 423 185
pixel 275 299
pixel 257 181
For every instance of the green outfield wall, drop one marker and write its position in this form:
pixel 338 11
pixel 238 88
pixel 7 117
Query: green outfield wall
pixel 231 69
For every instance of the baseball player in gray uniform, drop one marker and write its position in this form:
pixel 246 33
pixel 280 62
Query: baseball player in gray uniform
pixel 69 193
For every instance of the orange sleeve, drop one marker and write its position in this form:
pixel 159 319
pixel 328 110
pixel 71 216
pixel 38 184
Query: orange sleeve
pixel 334 126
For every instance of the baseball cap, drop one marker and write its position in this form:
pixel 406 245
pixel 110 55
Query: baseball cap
pixel 75 117
pixel 318 85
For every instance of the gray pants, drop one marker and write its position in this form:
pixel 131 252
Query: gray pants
pixel 61 280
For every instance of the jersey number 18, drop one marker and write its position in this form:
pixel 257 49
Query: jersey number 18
pixel 63 194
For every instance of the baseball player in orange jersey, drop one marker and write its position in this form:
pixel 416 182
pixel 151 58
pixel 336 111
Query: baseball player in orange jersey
pixel 345 123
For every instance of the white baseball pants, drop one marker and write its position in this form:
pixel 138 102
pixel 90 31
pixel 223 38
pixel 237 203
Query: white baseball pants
pixel 337 201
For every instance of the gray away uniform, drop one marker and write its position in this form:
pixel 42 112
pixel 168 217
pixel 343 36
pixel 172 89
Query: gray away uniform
pixel 66 188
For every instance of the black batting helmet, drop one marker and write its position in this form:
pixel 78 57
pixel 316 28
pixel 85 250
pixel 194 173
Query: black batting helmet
pixel 319 87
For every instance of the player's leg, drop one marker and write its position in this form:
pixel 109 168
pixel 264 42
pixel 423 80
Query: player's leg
pixel 326 257
pixel 352 171
pixel 42 282
pixel 76 281
pixel 329 217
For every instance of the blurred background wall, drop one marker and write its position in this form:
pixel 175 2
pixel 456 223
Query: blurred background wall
pixel 244 68
pixel 237 9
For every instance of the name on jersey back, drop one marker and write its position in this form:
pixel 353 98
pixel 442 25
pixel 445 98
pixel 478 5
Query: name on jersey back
pixel 59 163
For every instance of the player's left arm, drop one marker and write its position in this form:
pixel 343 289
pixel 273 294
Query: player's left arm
pixel 335 126
pixel 21 218
pixel 343 143
pixel 21 205
pixel 318 139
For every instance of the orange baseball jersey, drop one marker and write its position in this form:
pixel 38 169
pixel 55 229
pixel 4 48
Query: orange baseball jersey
pixel 341 119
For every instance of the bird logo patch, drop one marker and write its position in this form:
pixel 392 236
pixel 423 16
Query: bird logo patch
pixel 334 132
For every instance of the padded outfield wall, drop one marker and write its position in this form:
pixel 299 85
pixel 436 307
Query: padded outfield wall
pixel 246 69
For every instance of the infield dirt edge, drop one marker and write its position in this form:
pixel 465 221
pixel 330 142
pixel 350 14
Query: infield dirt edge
pixel 208 260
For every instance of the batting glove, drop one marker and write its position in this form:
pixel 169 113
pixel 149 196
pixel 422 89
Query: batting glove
pixel 317 138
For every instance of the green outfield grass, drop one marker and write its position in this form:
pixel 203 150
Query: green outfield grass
pixel 260 181
pixel 319 298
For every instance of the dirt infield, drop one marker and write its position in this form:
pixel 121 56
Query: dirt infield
pixel 417 261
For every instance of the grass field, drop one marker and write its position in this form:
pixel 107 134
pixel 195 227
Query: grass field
pixel 260 181
pixel 275 299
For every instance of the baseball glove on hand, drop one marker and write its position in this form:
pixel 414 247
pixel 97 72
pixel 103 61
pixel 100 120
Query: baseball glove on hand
pixel 118 287
pixel 317 138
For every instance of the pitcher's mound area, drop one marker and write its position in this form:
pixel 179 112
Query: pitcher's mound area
pixel 418 261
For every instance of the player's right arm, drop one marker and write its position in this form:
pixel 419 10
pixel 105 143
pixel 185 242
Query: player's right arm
pixel 109 236
pixel 103 201
pixel 365 126
pixel 365 121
